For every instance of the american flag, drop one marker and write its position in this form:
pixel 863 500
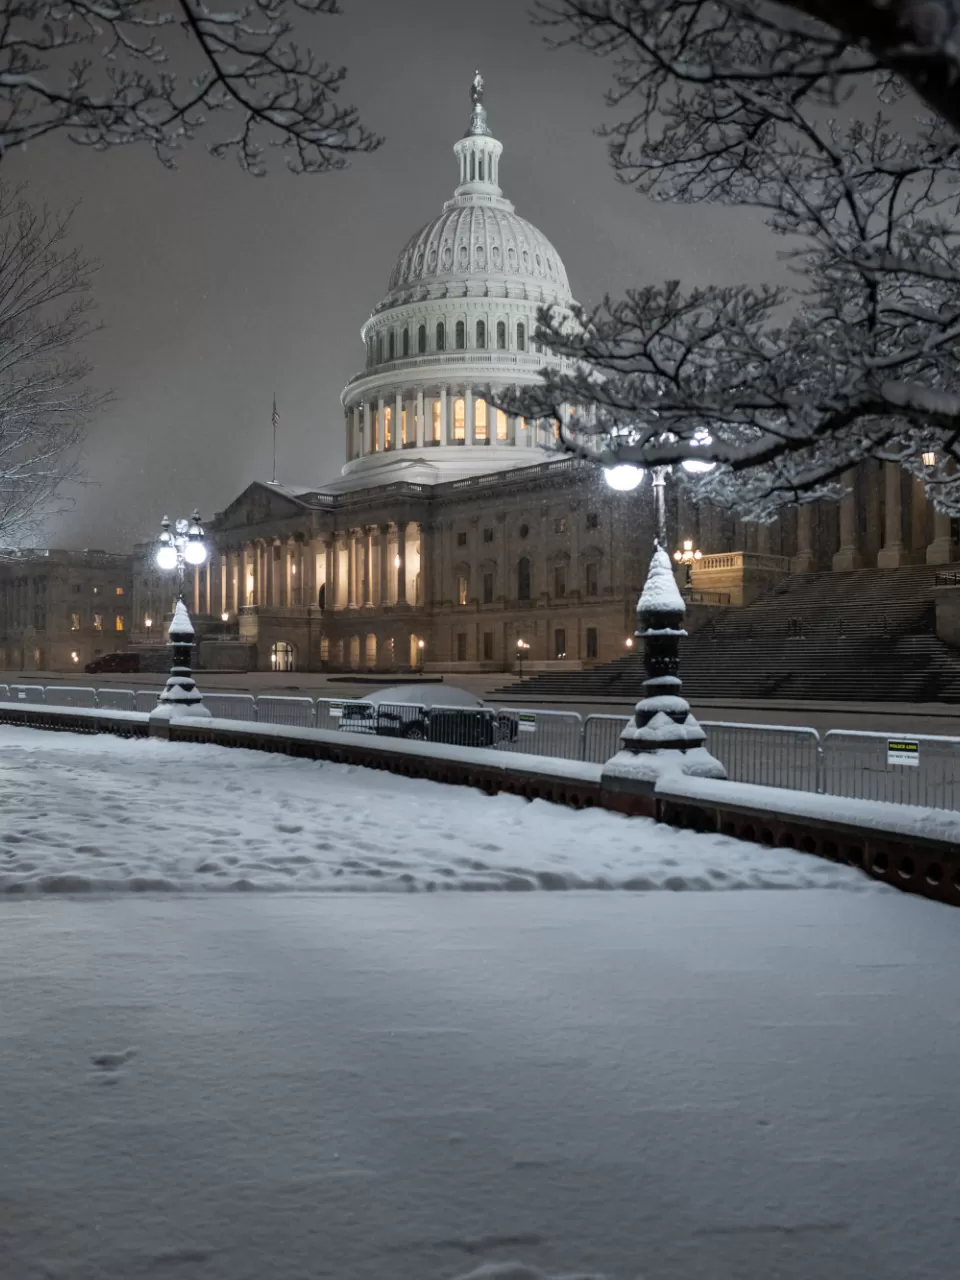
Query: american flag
pixel 276 423
pixel 276 415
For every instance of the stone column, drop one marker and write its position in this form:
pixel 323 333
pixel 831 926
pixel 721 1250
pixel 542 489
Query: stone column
pixel 284 575
pixel 351 569
pixel 764 537
pixel 891 555
pixel 271 575
pixel 918 520
pixel 196 590
pixel 848 556
pixel 383 541
pixel 357 430
pixel 402 567
pixel 398 421
pixel 804 561
pixel 469 426
pixel 366 441
pixel 940 550
pixel 421 426
pixel 368 563
pixel 333 575
pixel 381 426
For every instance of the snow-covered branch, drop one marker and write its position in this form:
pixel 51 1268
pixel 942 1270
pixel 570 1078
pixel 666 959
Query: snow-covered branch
pixel 112 72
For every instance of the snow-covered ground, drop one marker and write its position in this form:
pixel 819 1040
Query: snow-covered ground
pixel 501 1086
pixel 84 812
pixel 686 1086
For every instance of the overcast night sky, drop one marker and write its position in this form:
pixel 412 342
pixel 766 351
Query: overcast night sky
pixel 217 288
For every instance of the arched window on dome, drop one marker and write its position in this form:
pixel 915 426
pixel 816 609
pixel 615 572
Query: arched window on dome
pixel 480 168
pixel 379 348
pixel 406 341
pixel 441 336
pixel 422 339
pixel 473 166
pixel 501 336
pixel 480 419
pixel 461 335
pixel 459 419
pixel 392 344
pixel 369 353
pixel 481 335
pixel 502 431
pixel 521 337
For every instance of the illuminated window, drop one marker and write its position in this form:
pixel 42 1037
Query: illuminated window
pixel 461 335
pixel 481 335
pixel 422 339
pixel 98 622
pixel 436 420
pixel 501 425
pixel 388 428
pixel 459 420
pixel 522 424
pixel 560 524
pixel 501 336
pixel 406 341
pixel 403 427
pixel 521 337
pixel 120 591
pixel 461 590
pixel 118 622
pixel 74 622
pixel 480 418
pixel 441 336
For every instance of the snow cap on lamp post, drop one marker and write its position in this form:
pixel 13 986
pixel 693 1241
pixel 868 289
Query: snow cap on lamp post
pixel 180 696
pixel 663 736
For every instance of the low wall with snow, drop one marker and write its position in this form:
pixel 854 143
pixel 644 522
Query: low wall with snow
pixel 911 848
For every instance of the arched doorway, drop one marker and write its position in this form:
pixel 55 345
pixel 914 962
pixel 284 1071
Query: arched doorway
pixel 283 656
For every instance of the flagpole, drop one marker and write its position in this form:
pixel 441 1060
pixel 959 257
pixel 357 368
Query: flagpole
pixel 274 480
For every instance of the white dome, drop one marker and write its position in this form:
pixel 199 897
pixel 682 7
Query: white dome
pixel 471 240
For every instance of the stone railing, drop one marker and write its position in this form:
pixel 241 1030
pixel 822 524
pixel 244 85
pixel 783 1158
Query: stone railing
pixel 744 560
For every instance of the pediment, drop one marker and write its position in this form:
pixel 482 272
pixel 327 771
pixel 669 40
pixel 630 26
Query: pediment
pixel 258 504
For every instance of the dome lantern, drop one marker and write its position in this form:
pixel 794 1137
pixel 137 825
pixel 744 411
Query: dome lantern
pixel 478 151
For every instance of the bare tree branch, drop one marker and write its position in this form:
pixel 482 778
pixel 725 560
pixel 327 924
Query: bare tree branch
pixel 101 71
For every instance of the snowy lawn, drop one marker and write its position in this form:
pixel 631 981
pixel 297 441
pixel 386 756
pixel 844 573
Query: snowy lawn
pixel 101 813
pixel 692 1086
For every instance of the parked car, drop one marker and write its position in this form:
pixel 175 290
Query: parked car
pixel 429 713
pixel 120 662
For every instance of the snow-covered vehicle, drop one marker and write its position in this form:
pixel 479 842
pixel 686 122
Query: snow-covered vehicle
pixel 429 713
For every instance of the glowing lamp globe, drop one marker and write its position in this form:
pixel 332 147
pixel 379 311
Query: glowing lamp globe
pixel 194 552
pixel 624 477
pixel 166 557
pixel 694 467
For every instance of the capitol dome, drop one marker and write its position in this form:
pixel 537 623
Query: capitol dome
pixel 455 328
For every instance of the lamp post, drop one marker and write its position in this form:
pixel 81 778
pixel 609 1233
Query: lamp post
pixel 625 477
pixel 421 645
pixel 522 647
pixel 177 547
pixel 688 555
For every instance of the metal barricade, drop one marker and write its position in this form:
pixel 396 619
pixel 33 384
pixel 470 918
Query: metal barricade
pixel 770 755
pixel 26 693
pixel 541 733
pixel 360 716
pixel 4 693
pixel 276 709
pixel 601 737
pixel 146 699
pixel 231 706
pixel 65 695
pixel 921 769
pixel 117 700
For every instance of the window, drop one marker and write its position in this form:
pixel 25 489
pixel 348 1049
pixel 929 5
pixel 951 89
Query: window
pixel 559 643
pixel 591 642
pixel 501 336
pixel 488 646
pixel 462 538
pixel 74 622
pixel 422 339
pixel 461 335
pixel 406 341
pixel 591 578
pixel 392 344
pixel 76 587
pixel 436 419
pixel 461 646
pixel 404 437
pixel 98 622
pixel 501 425
pixel 481 335
pixel 560 524
pixel 462 589
pixel 480 419
pixel 521 337
pixel 559 581
pixel 119 591
pixel 593 520
pixel 488 588
pixel 97 590
pixel 459 420
pixel 379 348
pixel 523 578
pixel 441 336
pixel 387 428
pixel 523 530
pixel 118 622
pixel 488 535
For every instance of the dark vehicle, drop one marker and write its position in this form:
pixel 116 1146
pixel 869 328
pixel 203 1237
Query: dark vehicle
pixel 120 662
pixel 460 726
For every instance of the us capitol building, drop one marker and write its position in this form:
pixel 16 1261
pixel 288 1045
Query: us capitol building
pixel 455 536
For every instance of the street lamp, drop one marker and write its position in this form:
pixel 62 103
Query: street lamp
pixel 625 477
pixel 183 545
pixel 522 648
pixel 688 555
pixel 421 645
pixel 929 458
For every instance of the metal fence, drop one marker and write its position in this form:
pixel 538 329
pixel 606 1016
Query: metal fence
pixel 916 769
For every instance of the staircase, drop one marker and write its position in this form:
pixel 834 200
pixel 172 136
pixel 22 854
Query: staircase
pixel 864 636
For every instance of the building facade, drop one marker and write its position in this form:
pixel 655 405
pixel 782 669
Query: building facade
pixel 61 609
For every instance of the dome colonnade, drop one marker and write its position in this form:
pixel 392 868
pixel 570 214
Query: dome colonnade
pixel 455 328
